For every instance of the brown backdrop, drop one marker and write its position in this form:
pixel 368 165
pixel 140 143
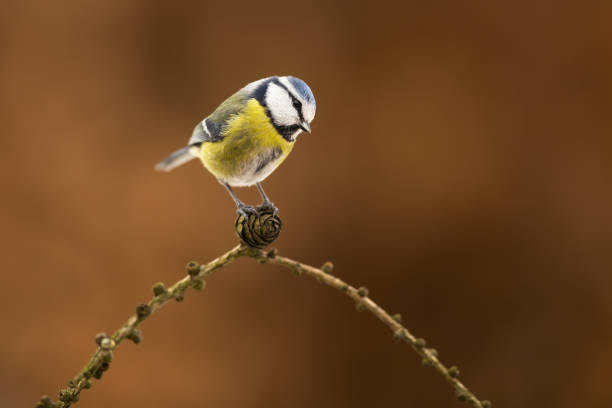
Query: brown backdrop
pixel 459 167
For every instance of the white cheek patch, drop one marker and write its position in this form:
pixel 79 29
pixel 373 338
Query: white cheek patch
pixel 280 105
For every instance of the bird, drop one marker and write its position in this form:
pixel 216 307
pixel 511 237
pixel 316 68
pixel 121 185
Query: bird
pixel 249 135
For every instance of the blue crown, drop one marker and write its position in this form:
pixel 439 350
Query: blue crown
pixel 303 89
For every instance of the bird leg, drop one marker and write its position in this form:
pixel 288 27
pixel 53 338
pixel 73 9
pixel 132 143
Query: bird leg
pixel 266 204
pixel 243 209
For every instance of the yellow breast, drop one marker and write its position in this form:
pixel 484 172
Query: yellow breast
pixel 250 150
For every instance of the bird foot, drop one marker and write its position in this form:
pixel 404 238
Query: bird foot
pixel 269 206
pixel 246 210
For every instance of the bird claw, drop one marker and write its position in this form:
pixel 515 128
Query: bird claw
pixel 246 211
pixel 268 205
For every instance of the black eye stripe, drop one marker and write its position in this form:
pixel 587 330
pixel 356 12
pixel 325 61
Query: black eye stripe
pixel 297 105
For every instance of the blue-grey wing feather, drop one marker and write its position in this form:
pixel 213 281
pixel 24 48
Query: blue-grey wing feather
pixel 211 129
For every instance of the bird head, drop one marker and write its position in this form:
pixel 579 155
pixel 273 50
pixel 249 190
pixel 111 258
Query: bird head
pixel 291 105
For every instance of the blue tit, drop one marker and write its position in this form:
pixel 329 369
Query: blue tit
pixel 249 135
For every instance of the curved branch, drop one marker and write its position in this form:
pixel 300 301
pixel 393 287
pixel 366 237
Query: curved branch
pixel 363 302
pixel 102 357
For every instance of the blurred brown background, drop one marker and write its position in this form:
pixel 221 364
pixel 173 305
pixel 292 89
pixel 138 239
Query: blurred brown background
pixel 459 167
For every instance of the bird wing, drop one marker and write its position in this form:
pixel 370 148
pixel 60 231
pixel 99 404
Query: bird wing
pixel 211 129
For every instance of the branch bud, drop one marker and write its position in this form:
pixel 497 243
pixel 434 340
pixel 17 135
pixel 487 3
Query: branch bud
pixel 193 268
pixel 69 395
pixel 461 396
pixel 107 343
pixel 199 284
pixel 399 335
pixel 100 337
pixel 453 371
pixel 45 402
pixel 363 291
pixel 135 335
pixel 327 267
pixel 143 310
pixel 107 357
pixel 159 289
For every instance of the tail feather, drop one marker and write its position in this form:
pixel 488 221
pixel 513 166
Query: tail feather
pixel 176 159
